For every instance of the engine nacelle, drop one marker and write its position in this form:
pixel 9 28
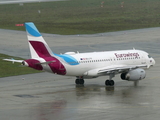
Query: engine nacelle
pixel 133 75
pixel 91 73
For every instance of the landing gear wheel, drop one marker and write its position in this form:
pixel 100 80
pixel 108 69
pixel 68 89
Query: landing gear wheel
pixel 79 81
pixel 109 83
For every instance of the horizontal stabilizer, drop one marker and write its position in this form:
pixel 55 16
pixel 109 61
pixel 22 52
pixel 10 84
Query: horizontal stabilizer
pixel 12 60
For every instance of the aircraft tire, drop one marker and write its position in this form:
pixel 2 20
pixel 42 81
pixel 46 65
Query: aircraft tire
pixel 79 81
pixel 109 83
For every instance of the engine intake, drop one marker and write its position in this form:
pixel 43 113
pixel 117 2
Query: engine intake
pixel 133 75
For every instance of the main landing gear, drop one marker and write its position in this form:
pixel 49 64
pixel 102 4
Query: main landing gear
pixel 79 81
pixel 110 82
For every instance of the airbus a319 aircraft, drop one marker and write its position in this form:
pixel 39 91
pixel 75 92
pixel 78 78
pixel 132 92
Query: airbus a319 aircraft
pixel 131 64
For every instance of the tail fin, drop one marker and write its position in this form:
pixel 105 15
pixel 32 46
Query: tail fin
pixel 38 47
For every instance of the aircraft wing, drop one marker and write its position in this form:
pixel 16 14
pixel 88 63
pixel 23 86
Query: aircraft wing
pixel 118 69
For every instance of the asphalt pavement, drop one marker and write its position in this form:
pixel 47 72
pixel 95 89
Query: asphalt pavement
pixel 45 96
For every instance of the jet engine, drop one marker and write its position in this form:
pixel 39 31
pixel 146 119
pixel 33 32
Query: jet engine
pixel 133 75
pixel 91 73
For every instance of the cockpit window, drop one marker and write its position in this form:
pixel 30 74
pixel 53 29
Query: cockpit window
pixel 149 56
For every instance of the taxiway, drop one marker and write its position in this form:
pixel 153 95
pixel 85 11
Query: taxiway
pixel 45 96
pixel 24 1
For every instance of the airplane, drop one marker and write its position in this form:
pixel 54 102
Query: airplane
pixel 131 64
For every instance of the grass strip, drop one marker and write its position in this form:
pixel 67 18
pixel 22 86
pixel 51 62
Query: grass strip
pixel 83 16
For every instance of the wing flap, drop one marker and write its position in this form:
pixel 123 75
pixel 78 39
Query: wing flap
pixel 118 69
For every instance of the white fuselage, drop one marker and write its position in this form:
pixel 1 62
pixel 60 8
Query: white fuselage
pixel 95 60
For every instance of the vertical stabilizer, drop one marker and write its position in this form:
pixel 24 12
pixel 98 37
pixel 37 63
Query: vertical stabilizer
pixel 38 47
